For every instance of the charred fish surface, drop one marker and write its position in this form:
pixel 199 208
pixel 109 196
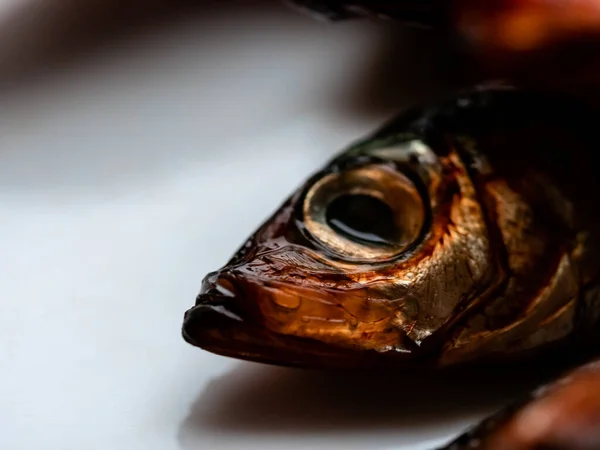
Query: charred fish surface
pixel 460 232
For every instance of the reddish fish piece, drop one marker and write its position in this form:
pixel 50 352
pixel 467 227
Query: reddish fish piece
pixel 539 43
pixel 564 415
pixel 525 25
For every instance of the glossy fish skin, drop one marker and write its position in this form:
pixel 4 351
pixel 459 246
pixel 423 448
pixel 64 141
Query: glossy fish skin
pixel 496 257
pixel 564 415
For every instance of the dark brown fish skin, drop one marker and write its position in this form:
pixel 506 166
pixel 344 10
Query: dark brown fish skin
pixel 287 299
pixel 563 415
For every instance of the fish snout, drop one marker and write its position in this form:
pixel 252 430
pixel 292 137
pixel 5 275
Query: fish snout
pixel 217 312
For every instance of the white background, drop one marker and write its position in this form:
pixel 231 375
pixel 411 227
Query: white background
pixel 128 176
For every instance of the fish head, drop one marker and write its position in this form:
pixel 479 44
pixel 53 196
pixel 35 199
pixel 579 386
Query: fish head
pixel 381 255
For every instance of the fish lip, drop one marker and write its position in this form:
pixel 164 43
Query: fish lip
pixel 214 327
pixel 212 314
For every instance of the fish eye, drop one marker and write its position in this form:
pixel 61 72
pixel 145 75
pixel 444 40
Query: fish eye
pixel 369 213
pixel 362 218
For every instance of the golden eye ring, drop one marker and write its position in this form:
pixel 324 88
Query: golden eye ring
pixel 367 214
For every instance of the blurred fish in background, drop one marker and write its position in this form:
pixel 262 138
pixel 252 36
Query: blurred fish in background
pixel 537 42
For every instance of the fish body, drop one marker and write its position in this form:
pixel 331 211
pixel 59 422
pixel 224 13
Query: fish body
pixel 561 415
pixel 460 232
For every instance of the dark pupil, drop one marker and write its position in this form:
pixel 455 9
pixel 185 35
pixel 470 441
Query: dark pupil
pixel 362 218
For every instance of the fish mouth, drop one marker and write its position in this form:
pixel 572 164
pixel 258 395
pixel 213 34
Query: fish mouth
pixel 228 321
pixel 225 331
pixel 217 325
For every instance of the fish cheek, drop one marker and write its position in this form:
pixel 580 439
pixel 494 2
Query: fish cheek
pixel 455 263
pixel 346 319
pixel 536 304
